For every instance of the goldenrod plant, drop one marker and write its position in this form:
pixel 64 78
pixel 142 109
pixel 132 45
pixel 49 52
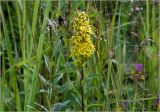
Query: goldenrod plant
pixel 81 45
pixel 79 55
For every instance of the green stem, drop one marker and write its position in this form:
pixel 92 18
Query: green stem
pixel 82 93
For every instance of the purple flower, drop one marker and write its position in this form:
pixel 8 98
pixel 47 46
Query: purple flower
pixel 138 72
pixel 124 104
pixel 138 68
pixel 157 101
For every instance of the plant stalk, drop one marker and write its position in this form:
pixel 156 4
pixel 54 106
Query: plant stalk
pixel 82 93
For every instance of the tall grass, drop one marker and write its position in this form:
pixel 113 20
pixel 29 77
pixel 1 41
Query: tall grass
pixel 38 73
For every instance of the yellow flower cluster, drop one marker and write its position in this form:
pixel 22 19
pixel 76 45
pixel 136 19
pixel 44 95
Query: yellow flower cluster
pixel 81 45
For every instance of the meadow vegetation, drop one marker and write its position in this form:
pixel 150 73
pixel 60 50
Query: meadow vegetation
pixel 106 60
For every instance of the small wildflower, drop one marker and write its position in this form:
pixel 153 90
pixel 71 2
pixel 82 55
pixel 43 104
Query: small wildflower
pixel 137 73
pixel 139 68
pixel 123 106
pixel 141 8
pixel 137 9
pixel 80 44
pixel 157 103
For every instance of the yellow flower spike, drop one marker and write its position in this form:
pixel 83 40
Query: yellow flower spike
pixel 80 44
pixel 80 23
